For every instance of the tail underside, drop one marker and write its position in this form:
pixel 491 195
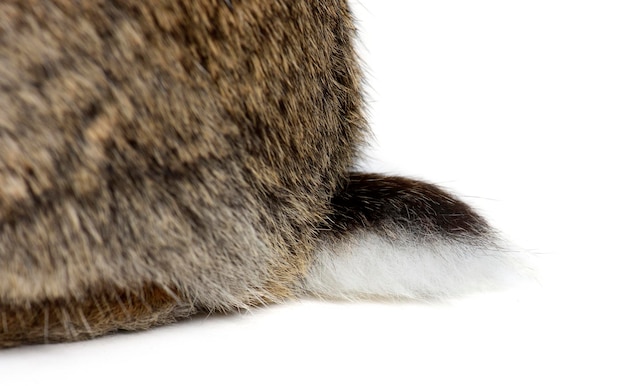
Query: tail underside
pixel 392 237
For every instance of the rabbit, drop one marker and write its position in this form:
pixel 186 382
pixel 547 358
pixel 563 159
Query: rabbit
pixel 160 159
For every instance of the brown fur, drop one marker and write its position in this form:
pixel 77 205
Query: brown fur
pixel 160 158
pixel 166 144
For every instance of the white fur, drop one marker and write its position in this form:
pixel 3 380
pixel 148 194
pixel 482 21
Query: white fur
pixel 368 265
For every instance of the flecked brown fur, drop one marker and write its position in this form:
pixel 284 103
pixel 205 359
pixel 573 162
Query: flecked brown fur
pixel 160 158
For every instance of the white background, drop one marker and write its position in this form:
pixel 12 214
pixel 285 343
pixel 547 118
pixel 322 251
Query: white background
pixel 518 107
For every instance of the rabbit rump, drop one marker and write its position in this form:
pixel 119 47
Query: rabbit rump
pixel 163 158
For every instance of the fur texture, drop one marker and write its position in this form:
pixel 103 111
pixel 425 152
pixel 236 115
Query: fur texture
pixel 404 239
pixel 162 158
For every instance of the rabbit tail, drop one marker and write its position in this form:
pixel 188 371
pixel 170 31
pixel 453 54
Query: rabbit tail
pixel 393 237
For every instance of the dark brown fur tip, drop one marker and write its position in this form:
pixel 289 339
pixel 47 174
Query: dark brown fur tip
pixel 377 202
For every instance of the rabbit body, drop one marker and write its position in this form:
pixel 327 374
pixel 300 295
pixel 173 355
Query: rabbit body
pixel 160 158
